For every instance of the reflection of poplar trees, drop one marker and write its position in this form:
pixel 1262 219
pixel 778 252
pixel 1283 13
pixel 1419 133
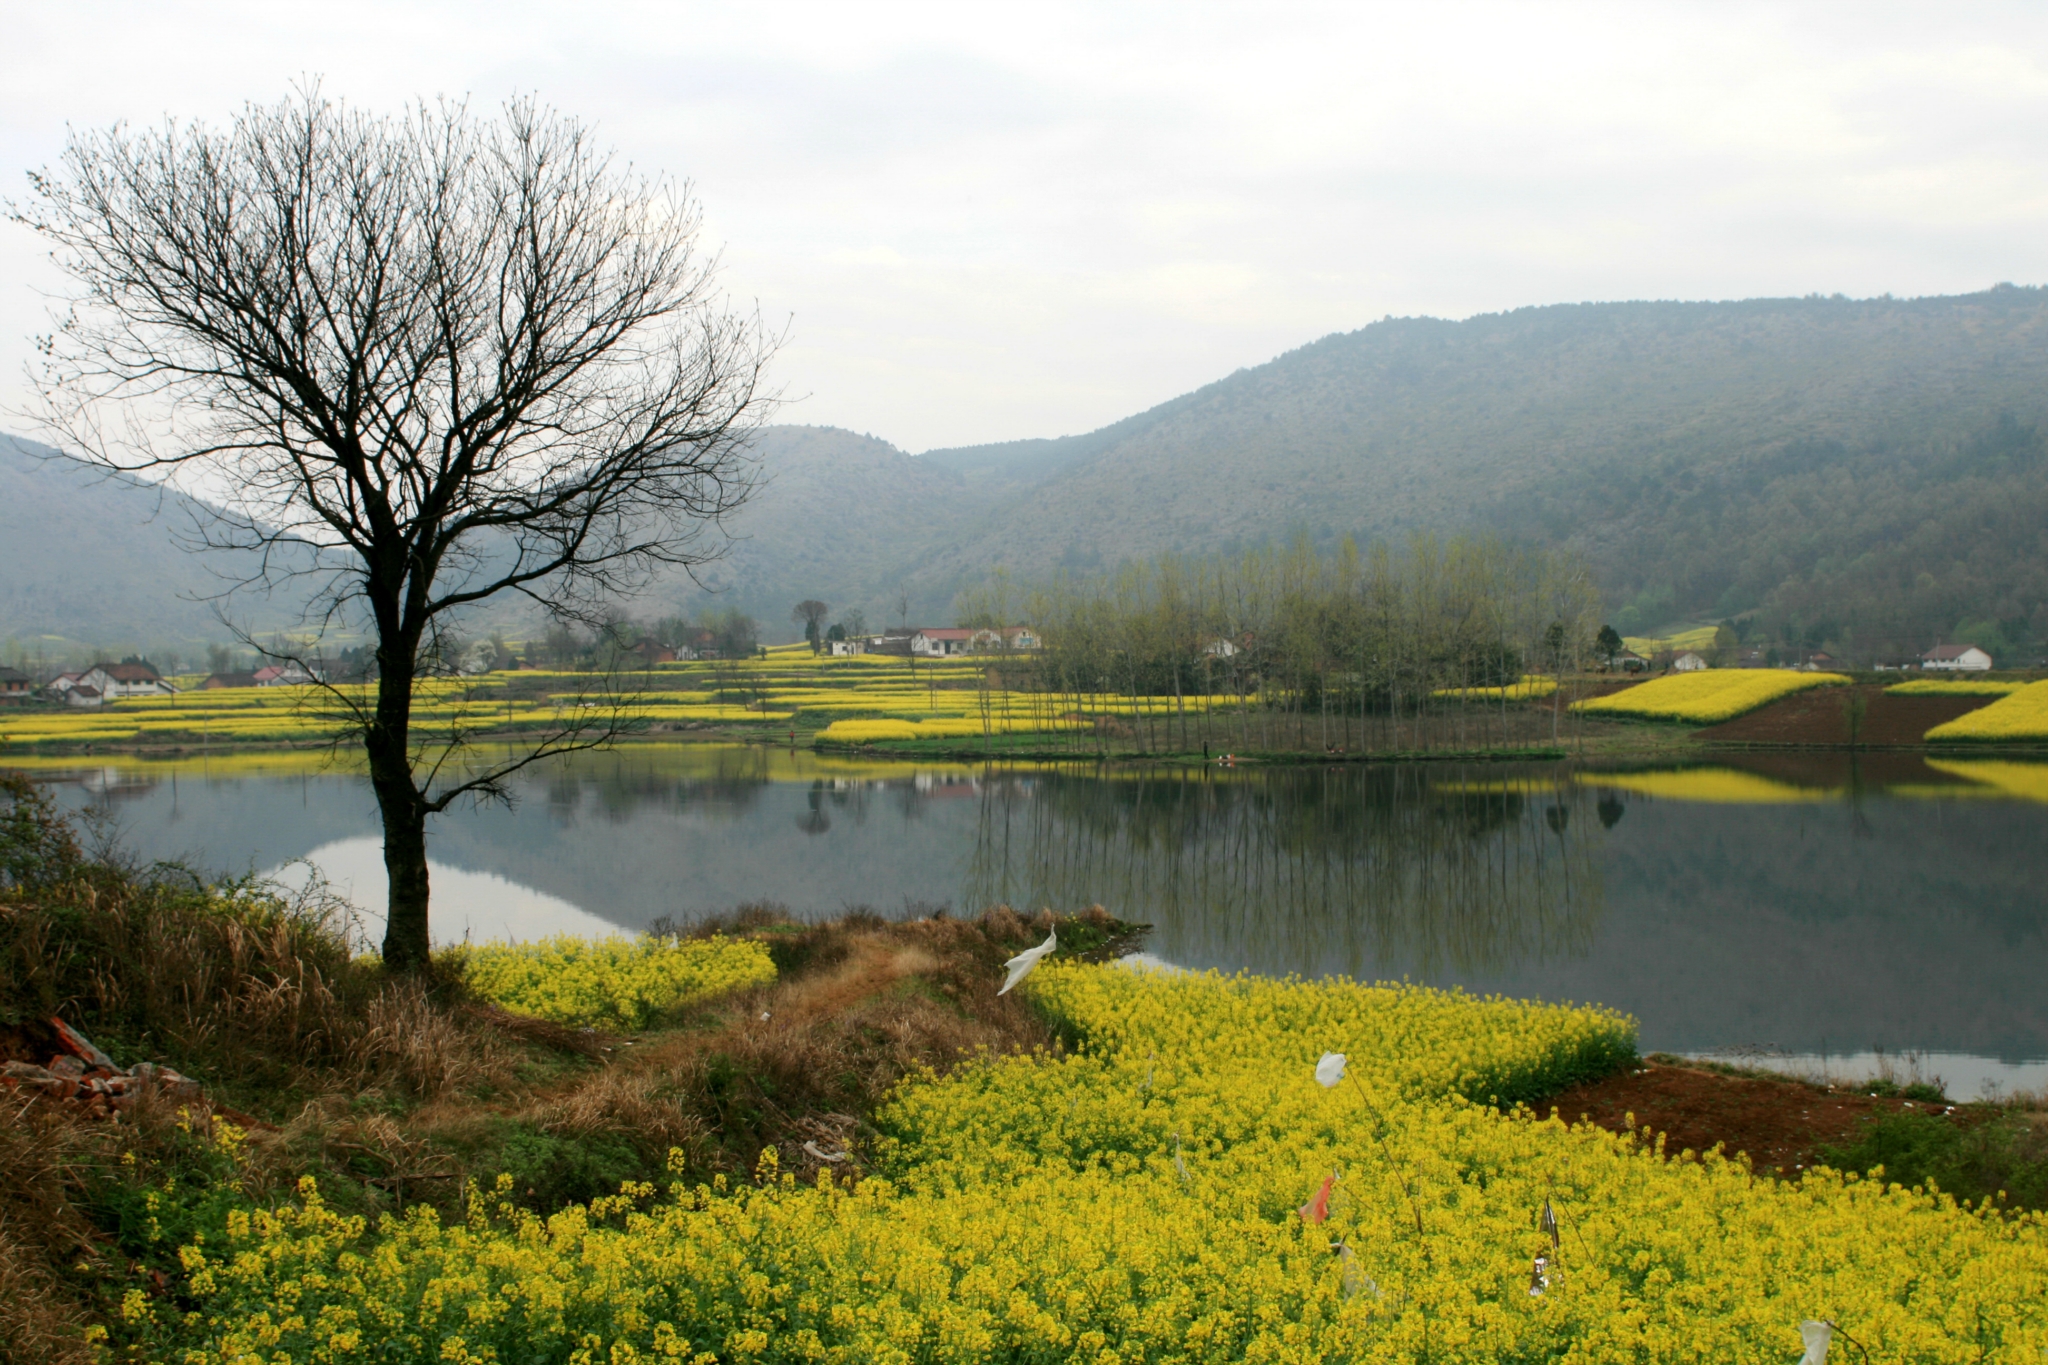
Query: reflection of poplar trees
pixel 1367 870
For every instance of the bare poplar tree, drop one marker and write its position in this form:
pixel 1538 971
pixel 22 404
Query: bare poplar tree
pixel 812 613
pixel 427 361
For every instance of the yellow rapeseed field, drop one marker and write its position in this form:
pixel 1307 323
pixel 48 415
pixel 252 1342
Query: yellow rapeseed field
pixel 1954 687
pixel 1140 1200
pixel 1707 697
pixel 946 698
pixel 1526 689
pixel 2023 715
pixel 614 983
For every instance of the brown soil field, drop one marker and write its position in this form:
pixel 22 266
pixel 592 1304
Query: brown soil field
pixel 1820 716
pixel 1781 1124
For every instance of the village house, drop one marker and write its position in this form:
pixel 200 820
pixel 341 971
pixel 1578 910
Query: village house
pixel 83 694
pixel 939 642
pixel 648 653
pixel 114 682
pixel 1009 637
pixel 215 681
pixel 1688 662
pixel 15 685
pixel 1628 661
pixel 282 675
pixel 1956 659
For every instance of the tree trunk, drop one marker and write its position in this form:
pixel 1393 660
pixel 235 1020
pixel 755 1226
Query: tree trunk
pixel 407 941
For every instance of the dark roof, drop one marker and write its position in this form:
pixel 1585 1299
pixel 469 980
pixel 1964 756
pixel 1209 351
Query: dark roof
pixel 84 690
pixel 1948 652
pixel 12 675
pixel 217 680
pixel 129 673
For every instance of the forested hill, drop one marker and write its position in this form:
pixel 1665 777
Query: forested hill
pixel 93 560
pixel 1871 468
pixel 1868 473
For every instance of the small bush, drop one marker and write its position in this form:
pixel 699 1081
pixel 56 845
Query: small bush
pixel 2004 1155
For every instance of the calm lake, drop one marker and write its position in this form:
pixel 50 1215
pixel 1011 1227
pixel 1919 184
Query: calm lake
pixel 1804 911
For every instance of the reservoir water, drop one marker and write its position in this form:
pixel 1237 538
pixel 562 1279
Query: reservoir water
pixel 1810 912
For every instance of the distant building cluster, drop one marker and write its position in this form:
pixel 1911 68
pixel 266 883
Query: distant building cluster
pixel 106 683
pixel 103 683
pixel 937 642
pixel 1942 658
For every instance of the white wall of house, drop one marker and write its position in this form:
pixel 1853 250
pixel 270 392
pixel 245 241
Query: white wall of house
pixel 1688 663
pixel 114 690
pixel 1971 660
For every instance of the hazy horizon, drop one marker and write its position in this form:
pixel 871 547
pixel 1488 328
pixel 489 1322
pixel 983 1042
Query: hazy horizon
pixel 1009 222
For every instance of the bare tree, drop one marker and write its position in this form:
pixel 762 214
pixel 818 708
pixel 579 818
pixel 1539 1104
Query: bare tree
pixel 426 361
pixel 812 613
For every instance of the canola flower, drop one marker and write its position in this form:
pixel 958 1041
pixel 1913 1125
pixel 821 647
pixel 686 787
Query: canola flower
pixel 1707 697
pixel 615 983
pixel 1031 1208
pixel 2021 715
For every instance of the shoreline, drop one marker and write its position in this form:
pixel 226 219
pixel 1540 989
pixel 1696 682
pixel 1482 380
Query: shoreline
pixel 1673 744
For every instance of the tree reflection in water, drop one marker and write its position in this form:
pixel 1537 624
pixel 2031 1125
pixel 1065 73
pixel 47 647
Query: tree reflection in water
pixel 1370 871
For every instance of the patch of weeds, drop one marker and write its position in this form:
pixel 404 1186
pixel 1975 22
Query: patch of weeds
pixel 550 1171
pixel 1885 1088
pixel 178 1184
pixel 2003 1156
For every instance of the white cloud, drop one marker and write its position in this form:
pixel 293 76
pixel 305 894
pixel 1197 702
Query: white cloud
pixel 989 222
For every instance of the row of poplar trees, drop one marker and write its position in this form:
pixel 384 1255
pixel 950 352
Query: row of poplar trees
pixel 1422 645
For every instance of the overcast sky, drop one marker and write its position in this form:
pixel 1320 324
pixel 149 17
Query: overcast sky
pixel 984 222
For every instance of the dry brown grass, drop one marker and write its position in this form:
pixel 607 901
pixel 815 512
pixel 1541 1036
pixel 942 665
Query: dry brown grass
pixel 806 1058
pixel 42 1230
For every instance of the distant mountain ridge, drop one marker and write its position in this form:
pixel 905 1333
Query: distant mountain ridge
pixel 95 559
pixel 1872 470
pixel 1868 466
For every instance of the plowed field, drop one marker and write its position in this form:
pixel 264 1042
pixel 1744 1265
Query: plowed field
pixel 1822 717
pixel 1781 1124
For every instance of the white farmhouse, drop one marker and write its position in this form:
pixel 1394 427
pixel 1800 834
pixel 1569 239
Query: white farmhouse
pixel 1688 662
pixel 1009 637
pixel 1956 659
pixel 939 643
pixel 113 682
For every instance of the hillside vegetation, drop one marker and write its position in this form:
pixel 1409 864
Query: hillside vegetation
pixel 1865 475
pixel 98 560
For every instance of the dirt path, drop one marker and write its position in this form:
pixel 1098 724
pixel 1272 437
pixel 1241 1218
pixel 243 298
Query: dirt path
pixel 1820 716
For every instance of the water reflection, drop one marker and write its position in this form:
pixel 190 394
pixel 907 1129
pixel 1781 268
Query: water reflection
pixel 1371 871
pixel 1819 904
